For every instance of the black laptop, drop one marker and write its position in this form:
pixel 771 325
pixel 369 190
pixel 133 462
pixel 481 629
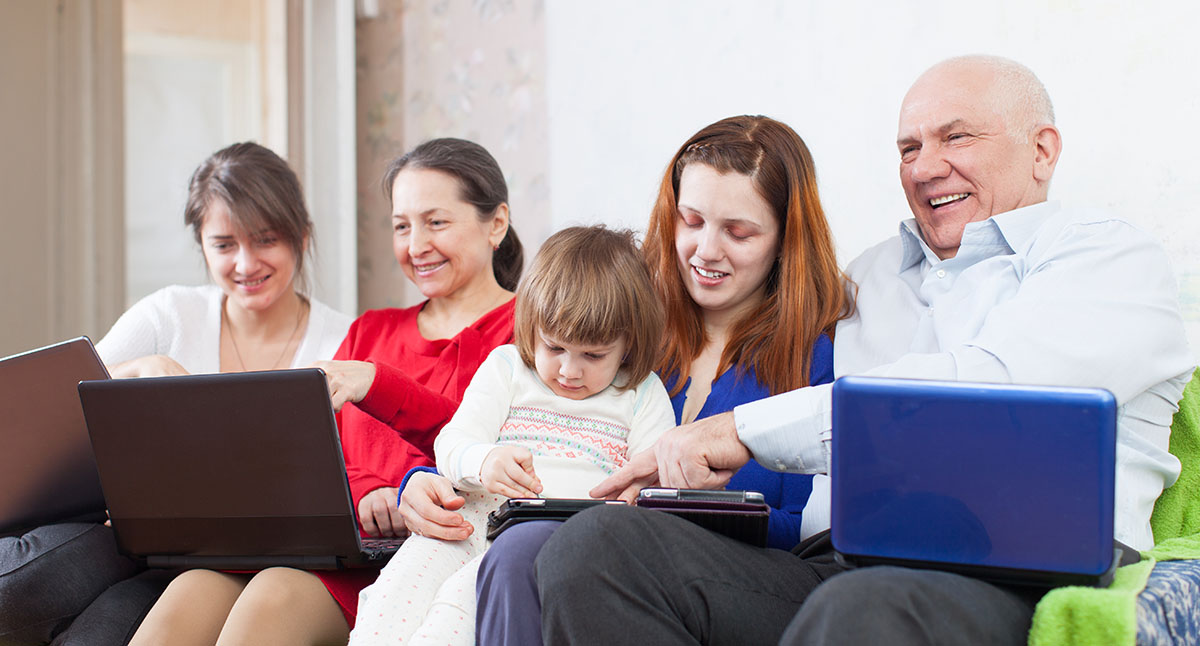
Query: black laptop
pixel 227 471
pixel 47 474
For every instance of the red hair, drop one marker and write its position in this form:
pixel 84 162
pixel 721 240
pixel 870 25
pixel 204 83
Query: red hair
pixel 806 294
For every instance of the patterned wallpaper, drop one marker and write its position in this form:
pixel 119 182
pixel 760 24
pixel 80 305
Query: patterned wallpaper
pixel 445 68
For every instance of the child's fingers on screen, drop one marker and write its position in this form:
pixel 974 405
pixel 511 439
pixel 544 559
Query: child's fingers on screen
pixel 522 479
pixel 511 492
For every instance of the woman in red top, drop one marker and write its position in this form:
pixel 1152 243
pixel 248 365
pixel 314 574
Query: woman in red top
pixel 396 379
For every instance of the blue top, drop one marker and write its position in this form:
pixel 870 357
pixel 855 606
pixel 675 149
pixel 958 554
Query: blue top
pixel 786 493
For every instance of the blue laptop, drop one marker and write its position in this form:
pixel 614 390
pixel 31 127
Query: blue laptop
pixel 1003 482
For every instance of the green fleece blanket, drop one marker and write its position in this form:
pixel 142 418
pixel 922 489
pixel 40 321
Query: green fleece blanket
pixel 1102 616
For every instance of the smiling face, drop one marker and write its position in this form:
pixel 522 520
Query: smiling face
pixel 959 162
pixel 726 240
pixel 440 242
pixel 254 270
pixel 576 370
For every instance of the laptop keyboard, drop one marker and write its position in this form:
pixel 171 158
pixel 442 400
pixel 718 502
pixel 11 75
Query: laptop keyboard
pixel 382 543
pixel 380 549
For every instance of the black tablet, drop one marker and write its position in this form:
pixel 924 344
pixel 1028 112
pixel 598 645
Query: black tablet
pixel 742 515
pixel 519 510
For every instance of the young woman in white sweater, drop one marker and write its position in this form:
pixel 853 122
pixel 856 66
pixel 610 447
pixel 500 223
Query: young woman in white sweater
pixel 247 213
pixel 551 415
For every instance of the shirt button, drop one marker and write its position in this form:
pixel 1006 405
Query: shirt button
pixel 931 311
pixel 941 273
pixel 779 465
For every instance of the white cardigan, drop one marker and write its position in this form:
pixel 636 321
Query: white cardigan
pixel 184 323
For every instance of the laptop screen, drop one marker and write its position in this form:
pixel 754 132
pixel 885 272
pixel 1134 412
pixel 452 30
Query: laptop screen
pixel 978 475
pixel 47 473
pixel 244 464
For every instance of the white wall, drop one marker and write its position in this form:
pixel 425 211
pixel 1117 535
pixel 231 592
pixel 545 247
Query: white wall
pixel 628 81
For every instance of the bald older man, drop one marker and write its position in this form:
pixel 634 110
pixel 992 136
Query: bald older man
pixel 987 282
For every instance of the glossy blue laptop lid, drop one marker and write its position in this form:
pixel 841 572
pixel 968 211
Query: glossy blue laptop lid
pixel 1001 481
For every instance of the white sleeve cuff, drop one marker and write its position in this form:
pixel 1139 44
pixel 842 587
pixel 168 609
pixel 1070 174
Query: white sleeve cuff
pixel 471 463
pixel 790 431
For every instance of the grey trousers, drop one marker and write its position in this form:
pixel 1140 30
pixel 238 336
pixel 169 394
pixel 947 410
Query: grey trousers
pixel 623 575
pixel 67 584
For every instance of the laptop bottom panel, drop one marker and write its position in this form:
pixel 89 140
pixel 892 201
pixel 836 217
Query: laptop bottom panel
pixel 1000 575
pixel 269 538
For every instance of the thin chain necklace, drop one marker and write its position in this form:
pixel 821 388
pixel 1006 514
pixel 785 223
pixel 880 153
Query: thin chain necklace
pixel 233 337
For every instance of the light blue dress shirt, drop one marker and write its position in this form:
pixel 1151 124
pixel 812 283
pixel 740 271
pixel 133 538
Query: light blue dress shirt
pixel 1039 295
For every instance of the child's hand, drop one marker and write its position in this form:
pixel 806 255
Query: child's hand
pixel 508 471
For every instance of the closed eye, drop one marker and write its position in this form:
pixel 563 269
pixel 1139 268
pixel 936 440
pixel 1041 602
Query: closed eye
pixel 691 221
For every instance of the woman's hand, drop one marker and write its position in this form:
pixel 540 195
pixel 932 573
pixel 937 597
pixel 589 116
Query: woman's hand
pixel 348 381
pixel 428 505
pixel 508 471
pixel 378 515
pixel 153 365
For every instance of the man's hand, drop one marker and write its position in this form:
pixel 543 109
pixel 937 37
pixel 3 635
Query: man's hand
pixel 378 515
pixel 428 505
pixel 349 381
pixel 153 365
pixel 639 472
pixel 702 455
pixel 508 471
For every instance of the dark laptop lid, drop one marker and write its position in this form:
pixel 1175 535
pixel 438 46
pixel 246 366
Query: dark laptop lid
pixel 47 473
pixel 227 470
pixel 1000 481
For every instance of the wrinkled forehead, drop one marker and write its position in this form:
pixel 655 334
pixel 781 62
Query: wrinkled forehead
pixel 944 96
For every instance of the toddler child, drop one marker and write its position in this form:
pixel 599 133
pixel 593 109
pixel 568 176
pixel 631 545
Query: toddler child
pixel 552 415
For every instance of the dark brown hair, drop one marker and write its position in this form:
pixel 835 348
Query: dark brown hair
pixel 806 294
pixel 590 285
pixel 481 184
pixel 261 192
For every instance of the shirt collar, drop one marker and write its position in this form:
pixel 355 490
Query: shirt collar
pixel 1015 227
pixel 1019 225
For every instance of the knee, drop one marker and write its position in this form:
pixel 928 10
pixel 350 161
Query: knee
pixel 276 591
pixel 835 610
pixel 880 588
pixel 591 543
pixel 52 573
pixel 184 609
pixel 177 599
pixel 512 554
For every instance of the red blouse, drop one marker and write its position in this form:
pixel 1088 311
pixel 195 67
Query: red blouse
pixel 418 386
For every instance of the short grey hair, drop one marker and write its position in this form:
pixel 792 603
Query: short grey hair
pixel 1018 95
